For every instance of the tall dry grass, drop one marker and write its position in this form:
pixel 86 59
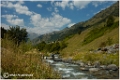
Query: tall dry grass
pixel 23 59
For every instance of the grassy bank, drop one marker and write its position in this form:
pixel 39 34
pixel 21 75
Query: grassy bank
pixel 24 59
pixel 103 58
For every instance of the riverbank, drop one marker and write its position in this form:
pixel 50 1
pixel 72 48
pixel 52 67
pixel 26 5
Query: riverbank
pixel 100 71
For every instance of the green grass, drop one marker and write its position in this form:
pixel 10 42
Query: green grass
pixel 93 34
pixel 68 37
pixel 103 58
pixel 98 32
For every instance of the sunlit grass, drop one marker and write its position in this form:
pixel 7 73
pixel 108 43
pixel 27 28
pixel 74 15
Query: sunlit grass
pixel 103 58
pixel 24 60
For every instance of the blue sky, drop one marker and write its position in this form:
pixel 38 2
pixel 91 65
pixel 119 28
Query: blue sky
pixel 40 17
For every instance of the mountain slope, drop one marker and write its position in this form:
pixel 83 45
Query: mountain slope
pixel 60 35
pixel 75 44
pixel 96 21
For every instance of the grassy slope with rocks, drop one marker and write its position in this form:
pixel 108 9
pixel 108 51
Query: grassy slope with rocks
pixel 75 43
pixel 77 48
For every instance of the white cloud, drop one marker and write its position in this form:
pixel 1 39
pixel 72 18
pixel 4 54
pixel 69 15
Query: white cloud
pixel 71 4
pixel 21 2
pixel 5 26
pixel 22 9
pixel 16 21
pixel 71 24
pixel 62 4
pixel 39 5
pixel 81 4
pixel 9 16
pixel 97 3
pixel 45 25
pixel 55 21
pixel 13 20
pixel 7 4
pixel 41 30
pixel 19 8
pixel 35 19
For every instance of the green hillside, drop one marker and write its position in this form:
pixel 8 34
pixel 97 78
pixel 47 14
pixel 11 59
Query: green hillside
pixel 94 36
pixel 78 49
pixel 75 43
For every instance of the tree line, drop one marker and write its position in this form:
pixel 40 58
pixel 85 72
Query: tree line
pixel 51 47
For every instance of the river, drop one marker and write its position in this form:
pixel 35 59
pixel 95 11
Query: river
pixel 69 71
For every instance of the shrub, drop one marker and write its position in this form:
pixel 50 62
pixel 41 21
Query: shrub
pixel 110 21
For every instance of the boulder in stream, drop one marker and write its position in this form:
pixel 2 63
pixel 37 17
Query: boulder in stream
pixel 94 69
pixel 103 66
pixel 84 69
pixel 112 67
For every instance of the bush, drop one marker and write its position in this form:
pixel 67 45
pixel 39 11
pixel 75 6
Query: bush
pixel 110 21
pixel 103 44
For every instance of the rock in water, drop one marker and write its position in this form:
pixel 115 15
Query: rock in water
pixel 112 67
pixel 93 69
pixel 103 66
pixel 84 69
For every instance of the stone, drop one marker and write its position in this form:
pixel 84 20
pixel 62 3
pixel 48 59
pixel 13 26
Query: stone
pixel 84 69
pixel 96 64
pixel 103 66
pixel 69 60
pixel 94 69
pixel 112 67
pixel 89 63
pixel 82 64
pixel 78 62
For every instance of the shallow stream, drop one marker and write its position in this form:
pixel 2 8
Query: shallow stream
pixel 69 71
